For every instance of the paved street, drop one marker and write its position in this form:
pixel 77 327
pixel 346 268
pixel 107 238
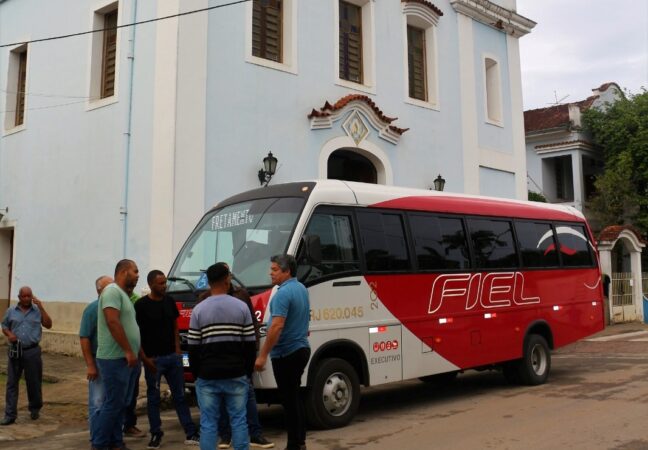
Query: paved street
pixel 595 399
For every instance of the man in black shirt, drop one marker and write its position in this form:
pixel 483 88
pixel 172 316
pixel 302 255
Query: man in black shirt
pixel 157 315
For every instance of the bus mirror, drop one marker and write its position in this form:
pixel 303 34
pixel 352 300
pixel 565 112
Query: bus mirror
pixel 312 249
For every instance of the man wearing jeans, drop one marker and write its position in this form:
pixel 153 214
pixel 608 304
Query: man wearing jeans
pixel 157 316
pixel 287 343
pixel 119 343
pixel 22 327
pixel 88 341
pixel 221 355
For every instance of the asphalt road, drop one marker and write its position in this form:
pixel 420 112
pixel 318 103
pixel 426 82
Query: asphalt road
pixel 596 398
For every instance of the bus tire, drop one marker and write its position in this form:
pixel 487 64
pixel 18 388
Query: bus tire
pixel 534 367
pixel 333 399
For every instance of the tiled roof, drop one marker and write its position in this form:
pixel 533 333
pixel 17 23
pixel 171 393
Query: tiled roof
pixel 327 109
pixel 425 3
pixel 557 116
pixel 611 233
pixel 546 118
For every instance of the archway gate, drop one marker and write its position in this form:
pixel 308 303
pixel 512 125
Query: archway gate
pixel 626 291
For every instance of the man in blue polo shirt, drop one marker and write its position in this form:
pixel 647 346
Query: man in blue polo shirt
pixel 287 343
pixel 88 342
pixel 22 326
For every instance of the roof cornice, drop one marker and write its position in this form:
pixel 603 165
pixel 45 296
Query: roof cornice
pixel 495 16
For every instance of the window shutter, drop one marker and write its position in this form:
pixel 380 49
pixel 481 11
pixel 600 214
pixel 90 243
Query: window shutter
pixel 416 63
pixel 22 84
pixel 267 29
pixel 109 55
pixel 350 42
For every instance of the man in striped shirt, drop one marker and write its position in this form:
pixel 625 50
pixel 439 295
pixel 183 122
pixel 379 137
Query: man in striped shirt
pixel 221 355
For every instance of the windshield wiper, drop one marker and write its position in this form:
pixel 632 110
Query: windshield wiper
pixel 183 281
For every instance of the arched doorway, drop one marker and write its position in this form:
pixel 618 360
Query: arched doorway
pixel 620 249
pixel 345 164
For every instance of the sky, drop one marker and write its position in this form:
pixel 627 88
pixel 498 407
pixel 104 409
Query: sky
pixel 577 45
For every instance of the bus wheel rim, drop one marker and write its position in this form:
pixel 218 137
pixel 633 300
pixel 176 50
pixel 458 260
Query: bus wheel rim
pixel 538 360
pixel 336 395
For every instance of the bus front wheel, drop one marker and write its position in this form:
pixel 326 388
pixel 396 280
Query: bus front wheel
pixel 333 398
pixel 533 368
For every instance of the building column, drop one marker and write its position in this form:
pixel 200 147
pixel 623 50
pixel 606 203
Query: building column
pixel 637 295
pixel 468 102
pixel 577 179
pixel 191 120
pixel 517 116
pixel 164 136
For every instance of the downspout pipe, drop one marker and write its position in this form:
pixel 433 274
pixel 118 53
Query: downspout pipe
pixel 129 125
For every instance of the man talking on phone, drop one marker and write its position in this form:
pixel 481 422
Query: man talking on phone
pixel 22 327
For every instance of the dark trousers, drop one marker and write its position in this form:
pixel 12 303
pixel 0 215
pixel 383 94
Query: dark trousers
pixel 287 372
pixel 169 366
pixel 31 363
pixel 130 415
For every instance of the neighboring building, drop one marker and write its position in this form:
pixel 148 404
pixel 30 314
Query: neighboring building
pixel 562 161
pixel 114 143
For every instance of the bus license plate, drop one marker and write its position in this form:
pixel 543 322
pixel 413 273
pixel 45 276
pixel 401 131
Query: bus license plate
pixel 185 360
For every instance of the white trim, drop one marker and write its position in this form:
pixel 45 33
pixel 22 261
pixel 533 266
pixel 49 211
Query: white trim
pixel 560 146
pixel 422 17
pixel 492 82
pixel 635 245
pixel 367 149
pixel 368 84
pixel 191 123
pixel 97 104
pixel 13 69
pixel 14 130
pixel 164 120
pixel 494 16
pixel 468 95
pixel 288 39
pixel 95 57
pixel 517 117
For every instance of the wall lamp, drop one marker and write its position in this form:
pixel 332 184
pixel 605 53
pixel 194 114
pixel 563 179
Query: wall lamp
pixel 3 211
pixel 439 183
pixel 269 169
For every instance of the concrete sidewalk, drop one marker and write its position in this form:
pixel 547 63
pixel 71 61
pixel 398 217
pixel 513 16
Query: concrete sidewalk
pixel 65 393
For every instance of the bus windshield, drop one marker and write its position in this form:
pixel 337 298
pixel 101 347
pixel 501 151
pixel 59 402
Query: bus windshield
pixel 244 235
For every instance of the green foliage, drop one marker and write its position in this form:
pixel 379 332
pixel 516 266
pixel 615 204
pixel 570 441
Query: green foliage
pixel 536 197
pixel 621 131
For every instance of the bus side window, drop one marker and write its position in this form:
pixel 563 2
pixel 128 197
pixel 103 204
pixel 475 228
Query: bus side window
pixel 574 245
pixel 493 244
pixel 537 244
pixel 439 242
pixel 383 242
pixel 339 252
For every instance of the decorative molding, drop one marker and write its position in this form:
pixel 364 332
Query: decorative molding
pixel 328 114
pixel 565 145
pixel 495 16
pixel 355 128
pixel 423 9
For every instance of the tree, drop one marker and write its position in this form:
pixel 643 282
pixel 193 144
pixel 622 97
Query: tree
pixel 621 131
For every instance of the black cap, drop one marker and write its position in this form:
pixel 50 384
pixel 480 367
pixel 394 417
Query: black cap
pixel 217 272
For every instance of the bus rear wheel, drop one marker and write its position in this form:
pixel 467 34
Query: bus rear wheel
pixel 333 398
pixel 534 367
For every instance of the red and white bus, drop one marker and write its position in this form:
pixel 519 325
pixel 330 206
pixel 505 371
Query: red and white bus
pixel 405 283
